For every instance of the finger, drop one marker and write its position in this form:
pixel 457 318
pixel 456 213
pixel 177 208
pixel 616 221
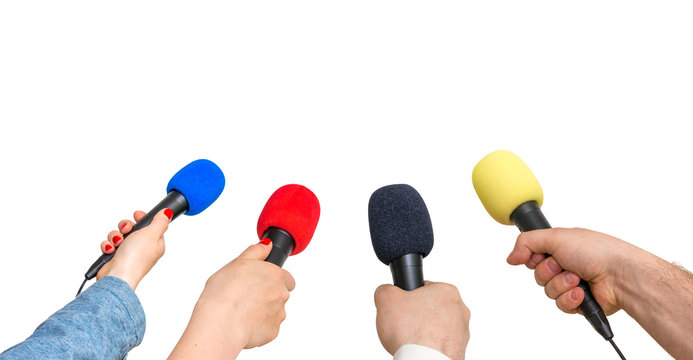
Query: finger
pixel 107 247
pixel 289 280
pixel 537 242
pixel 125 226
pixel 259 251
pixel 159 223
pixel 115 238
pixel 569 301
pixel 561 283
pixel 138 215
pixel 383 292
pixel 534 260
pixel 546 270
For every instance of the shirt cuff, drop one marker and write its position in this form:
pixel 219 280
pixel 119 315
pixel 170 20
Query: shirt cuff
pixel 418 352
pixel 127 319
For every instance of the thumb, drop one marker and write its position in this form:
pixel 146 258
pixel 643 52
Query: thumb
pixel 534 242
pixel 259 251
pixel 160 222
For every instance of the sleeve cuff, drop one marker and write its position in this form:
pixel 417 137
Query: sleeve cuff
pixel 418 352
pixel 124 305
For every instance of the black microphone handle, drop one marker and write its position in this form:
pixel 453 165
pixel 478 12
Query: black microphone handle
pixel 407 271
pixel 174 201
pixel 282 245
pixel 528 217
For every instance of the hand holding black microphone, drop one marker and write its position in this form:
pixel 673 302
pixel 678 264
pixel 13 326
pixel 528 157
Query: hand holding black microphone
pixel 512 195
pixel 415 319
pixel 656 293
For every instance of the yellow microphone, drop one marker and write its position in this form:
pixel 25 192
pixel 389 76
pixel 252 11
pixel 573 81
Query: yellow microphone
pixel 512 195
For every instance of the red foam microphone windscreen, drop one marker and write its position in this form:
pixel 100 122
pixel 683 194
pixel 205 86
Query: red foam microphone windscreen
pixel 292 208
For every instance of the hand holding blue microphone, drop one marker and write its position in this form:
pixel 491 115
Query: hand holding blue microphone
pixel 190 191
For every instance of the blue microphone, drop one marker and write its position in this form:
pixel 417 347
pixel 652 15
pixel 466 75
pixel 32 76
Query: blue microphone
pixel 190 191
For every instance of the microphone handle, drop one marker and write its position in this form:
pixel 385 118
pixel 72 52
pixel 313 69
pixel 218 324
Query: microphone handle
pixel 528 217
pixel 282 245
pixel 174 201
pixel 407 271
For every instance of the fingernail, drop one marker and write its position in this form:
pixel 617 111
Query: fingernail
pixel 553 267
pixel 573 294
pixel 571 278
pixel 109 247
pixel 122 227
pixel 116 240
pixel 168 213
pixel 265 241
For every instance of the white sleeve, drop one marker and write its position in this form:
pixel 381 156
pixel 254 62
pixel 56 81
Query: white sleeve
pixel 418 352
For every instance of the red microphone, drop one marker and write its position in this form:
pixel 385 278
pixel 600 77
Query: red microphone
pixel 289 219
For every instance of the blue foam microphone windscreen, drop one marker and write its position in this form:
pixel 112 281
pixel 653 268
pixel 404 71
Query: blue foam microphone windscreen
pixel 201 182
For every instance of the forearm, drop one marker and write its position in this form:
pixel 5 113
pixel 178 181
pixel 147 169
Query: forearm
pixel 104 322
pixel 208 336
pixel 659 296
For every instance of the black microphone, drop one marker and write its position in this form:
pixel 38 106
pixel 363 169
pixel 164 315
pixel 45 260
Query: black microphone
pixel 190 191
pixel 401 233
pixel 512 195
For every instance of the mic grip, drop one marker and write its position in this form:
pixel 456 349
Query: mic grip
pixel 593 312
pixel 282 245
pixel 174 201
pixel 407 271
pixel 528 217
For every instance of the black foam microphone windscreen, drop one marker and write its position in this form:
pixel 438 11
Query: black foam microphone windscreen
pixel 401 232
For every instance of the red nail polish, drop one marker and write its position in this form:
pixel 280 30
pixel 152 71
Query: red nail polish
pixel 168 213
pixel 265 241
pixel 116 240
pixel 109 247
pixel 122 227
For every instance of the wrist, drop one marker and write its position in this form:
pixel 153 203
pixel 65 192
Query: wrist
pixel 207 337
pixel 226 326
pixel 129 277
pixel 633 275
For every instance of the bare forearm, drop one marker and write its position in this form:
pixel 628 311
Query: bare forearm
pixel 206 337
pixel 659 296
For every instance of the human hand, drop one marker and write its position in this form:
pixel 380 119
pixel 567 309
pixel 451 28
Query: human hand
pixel 599 259
pixel 433 316
pixel 138 253
pixel 241 306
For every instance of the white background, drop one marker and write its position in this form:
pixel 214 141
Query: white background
pixel 101 102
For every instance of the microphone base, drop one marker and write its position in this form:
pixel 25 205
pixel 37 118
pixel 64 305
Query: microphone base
pixel 282 245
pixel 407 271
pixel 528 217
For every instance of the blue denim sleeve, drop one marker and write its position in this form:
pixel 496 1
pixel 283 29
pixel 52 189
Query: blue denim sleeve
pixel 104 322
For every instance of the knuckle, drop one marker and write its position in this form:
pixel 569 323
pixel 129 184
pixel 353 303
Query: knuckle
pixel 381 291
pixel 449 288
pixel 284 296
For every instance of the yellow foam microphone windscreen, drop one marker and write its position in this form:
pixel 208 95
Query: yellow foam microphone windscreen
pixel 512 195
pixel 503 182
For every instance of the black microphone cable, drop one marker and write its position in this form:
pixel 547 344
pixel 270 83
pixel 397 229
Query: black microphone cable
pixel 618 351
